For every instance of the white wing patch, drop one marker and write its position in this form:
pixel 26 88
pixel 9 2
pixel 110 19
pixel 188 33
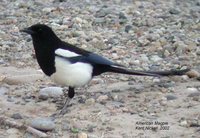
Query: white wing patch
pixel 66 53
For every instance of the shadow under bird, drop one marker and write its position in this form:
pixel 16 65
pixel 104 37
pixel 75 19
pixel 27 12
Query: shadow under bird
pixel 71 66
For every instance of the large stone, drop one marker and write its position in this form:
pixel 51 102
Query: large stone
pixel 52 92
pixel 44 124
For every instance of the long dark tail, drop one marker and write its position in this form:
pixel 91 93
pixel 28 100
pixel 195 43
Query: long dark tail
pixel 148 73
pixel 170 72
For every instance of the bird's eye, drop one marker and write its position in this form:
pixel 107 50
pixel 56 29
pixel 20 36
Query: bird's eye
pixel 40 29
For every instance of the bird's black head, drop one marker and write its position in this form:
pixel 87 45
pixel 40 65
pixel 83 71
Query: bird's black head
pixel 43 37
pixel 40 32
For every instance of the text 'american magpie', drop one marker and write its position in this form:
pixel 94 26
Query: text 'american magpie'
pixel 71 66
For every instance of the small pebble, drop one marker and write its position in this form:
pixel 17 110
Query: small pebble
pixel 144 58
pixel 192 90
pixel 128 28
pixel 156 58
pixel 92 136
pixel 48 9
pixel 185 77
pixel 143 41
pixel 28 135
pixel 163 102
pixel 174 11
pixel 171 97
pixel 12 131
pixel 3 90
pixel 156 80
pixel 90 128
pixel 99 20
pixel 193 74
pixel 194 94
pixel 17 116
pixel 43 96
pixel 194 123
pixel 82 135
pixel 166 53
pixel 102 98
pixel 118 98
pixel 10 99
pixel 135 62
pixel 184 123
pixel 90 101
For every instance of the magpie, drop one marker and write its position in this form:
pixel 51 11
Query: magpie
pixel 73 67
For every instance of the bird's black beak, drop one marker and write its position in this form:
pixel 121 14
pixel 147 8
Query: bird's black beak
pixel 28 31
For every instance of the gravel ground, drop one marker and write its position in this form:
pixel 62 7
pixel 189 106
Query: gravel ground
pixel 140 34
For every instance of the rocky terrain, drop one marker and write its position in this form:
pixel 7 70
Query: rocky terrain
pixel 140 34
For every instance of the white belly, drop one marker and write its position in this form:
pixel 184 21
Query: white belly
pixel 74 75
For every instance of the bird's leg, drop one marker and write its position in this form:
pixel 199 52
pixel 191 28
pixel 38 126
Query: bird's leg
pixel 67 100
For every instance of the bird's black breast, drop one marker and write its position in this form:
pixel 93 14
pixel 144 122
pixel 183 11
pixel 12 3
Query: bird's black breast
pixel 46 60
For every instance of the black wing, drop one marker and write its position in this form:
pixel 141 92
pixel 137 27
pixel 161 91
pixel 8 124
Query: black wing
pixel 84 56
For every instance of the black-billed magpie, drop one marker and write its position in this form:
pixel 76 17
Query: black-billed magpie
pixel 71 66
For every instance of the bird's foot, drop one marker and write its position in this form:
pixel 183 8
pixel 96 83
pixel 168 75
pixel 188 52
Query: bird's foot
pixel 66 106
pixel 62 110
